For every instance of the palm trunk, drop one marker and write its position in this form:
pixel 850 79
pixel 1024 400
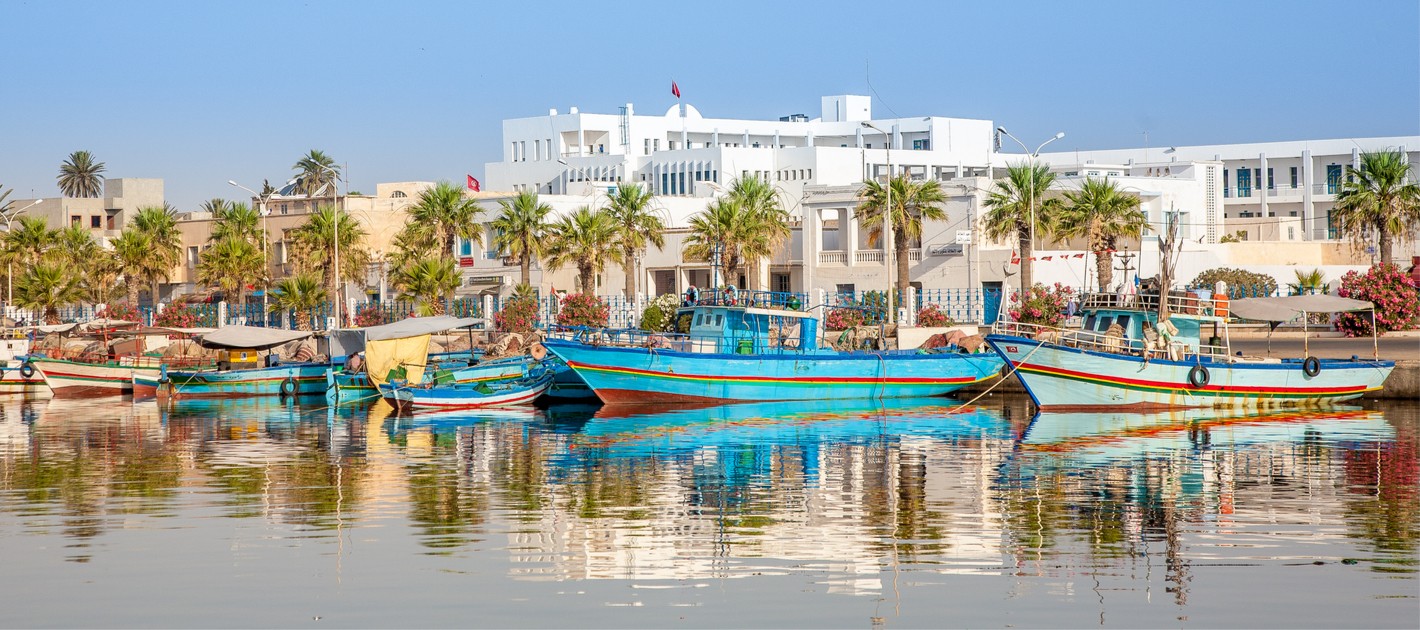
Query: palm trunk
pixel 1385 243
pixel 1027 281
pixel 903 265
pixel 584 278
pixel 133 295
pixel 526 264
pixel 1104 271
pixel 628 265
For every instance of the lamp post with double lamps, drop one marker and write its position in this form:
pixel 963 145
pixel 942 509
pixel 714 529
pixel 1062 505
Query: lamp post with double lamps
pixel 1030 163
pixel 335 234
pixel 10 266
pixel 262 201
pixel 888 236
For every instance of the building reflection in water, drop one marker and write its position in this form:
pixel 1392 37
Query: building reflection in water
pixel 851 495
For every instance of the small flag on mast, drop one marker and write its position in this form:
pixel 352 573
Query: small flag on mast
pixel 675 89
pixel 473 183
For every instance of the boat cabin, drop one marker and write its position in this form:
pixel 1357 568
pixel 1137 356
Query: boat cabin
pixel 745 330
pixel 1132 325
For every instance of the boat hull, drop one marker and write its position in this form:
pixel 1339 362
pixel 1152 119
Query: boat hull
pixel 1060 378
pixel 349 387
pixel 74 378
pixel 640 375
pixel 466 396
pixel 297 379
pixel 14 381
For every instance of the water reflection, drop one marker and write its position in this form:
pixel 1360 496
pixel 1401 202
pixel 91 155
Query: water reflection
pixel 850 497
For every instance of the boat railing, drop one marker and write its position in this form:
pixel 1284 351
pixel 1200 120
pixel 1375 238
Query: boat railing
pixel 732 342
pixel 1105 342
pixel 1179 302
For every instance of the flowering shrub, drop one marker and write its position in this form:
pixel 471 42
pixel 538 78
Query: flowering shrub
pixel 933 317
pixel 871 310
pixel 1393 293
pixel 186 316
pixel 519 315
pixel 371 315
pixel 124 311
pixel 844 318
pixel 659 313
pixel 1041 305
pixel 582 309
pixel 1241 283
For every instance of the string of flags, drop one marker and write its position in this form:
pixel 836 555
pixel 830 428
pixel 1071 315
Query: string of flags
pixel 1016 256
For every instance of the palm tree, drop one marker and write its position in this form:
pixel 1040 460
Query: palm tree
pixel 313 247
pixel 1380 196
pixel 583 238
pixel 160 224
pixel 520 230
pixel 1102 214
pixel 29 239
pixel 5 205
pixel 80 175
pixel 301 293
pixel 236 220
pixel 133 250
pixel 430 282
pixel 74 247
pixel 636 226
pixel 443 214
pixel 911 203
pixel 100 277
pixel 1013 201
pixel 46 287
pixel 231 265
pixel 767 226
pixel 719 229
pixel 316 170
pixel 214 206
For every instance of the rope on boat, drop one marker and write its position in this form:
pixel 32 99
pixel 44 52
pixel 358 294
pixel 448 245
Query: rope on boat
pixel 1007 375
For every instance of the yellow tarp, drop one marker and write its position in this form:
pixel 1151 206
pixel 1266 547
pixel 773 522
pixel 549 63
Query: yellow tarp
pixel 388 354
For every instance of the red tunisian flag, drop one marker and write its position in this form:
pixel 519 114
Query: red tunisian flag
pixel 473 184
pixel 675 89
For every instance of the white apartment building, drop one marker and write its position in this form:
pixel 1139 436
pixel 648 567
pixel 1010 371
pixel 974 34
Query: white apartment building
pixel 1265 183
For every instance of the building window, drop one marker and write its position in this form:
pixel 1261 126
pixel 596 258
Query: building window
pixel 1294 177
pixel 96 221
pixel 922 145
pixel 1333 178
pixel 398 194
pixel 1270 182
pixel 780 282
pixel 76 220
pixel 192 256
pixel 112 222
pixel 285 208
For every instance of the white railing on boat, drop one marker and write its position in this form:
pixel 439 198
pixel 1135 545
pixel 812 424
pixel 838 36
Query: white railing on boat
pixel 1179 303
pixel 1103 342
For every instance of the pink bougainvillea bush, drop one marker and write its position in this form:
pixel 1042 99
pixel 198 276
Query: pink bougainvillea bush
pixel 844 318
pixel 1390 290
pixel 185 316
pixel 372 315
pixel 519 315
pixel 581 309
pixel 1042 305
pixel 933 317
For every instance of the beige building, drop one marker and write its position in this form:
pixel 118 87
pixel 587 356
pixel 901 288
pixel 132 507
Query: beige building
pixel 105 216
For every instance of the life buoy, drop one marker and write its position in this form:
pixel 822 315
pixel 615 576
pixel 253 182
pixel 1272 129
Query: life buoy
pixel 1311 366
pixel 538 351
pixel 27 370
pixel 288 386
pixel 1198 376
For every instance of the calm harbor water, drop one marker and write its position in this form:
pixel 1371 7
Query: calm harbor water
pixel 116 513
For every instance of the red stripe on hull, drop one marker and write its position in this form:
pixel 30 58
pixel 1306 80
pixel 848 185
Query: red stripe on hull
pixel 639 397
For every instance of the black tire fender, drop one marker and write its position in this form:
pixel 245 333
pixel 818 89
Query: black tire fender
pixel 288 386
pixel 1198 376
pixel 27 370
pixel 1311 366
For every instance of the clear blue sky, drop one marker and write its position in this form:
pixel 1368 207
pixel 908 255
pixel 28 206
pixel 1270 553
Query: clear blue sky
pixel 198 93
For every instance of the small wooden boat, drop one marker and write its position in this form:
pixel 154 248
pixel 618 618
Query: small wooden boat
pixel 1125 355
pixel 400 350
pixel 521 391
pixel 242 370
pixel 93 378
pixel 734 353
pixel 15 377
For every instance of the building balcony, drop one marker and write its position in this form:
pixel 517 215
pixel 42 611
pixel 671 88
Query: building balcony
pixel 833 258
pixel 868 256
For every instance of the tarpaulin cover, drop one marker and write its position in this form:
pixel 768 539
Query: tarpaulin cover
pixel 250 337
pixel 1286 309
pixel 384 355
pixel 350 341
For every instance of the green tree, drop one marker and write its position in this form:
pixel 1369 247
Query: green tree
pixel 637 225
pixel 584 239
pixel 301 293
pixel 1102 214
pixel 430 282
pixel 214 206
pixel 912 202
pixel 230 265
pixel 520 230
pixel 442 214
pixel 47 287
pixel 719 228
pixel 81 176
pixel 160 225
pixel 1011 204
pixel 74 246
pixel 28 240
pixel 236 220
pixel 316 170
pixel 767 223
pixel 1381 196
pixel 313 247
pixel 133 251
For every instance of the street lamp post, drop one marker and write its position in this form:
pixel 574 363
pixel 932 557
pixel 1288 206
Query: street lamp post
pixel 335 233
pixel 887 220
pixel 1030 161
pixel 262 201
pixel 10 266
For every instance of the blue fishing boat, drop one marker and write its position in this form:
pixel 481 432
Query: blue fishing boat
pixel 375 354
pixel 242 370
pixel 520 391
pixel 1126 354
pixel 728 353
